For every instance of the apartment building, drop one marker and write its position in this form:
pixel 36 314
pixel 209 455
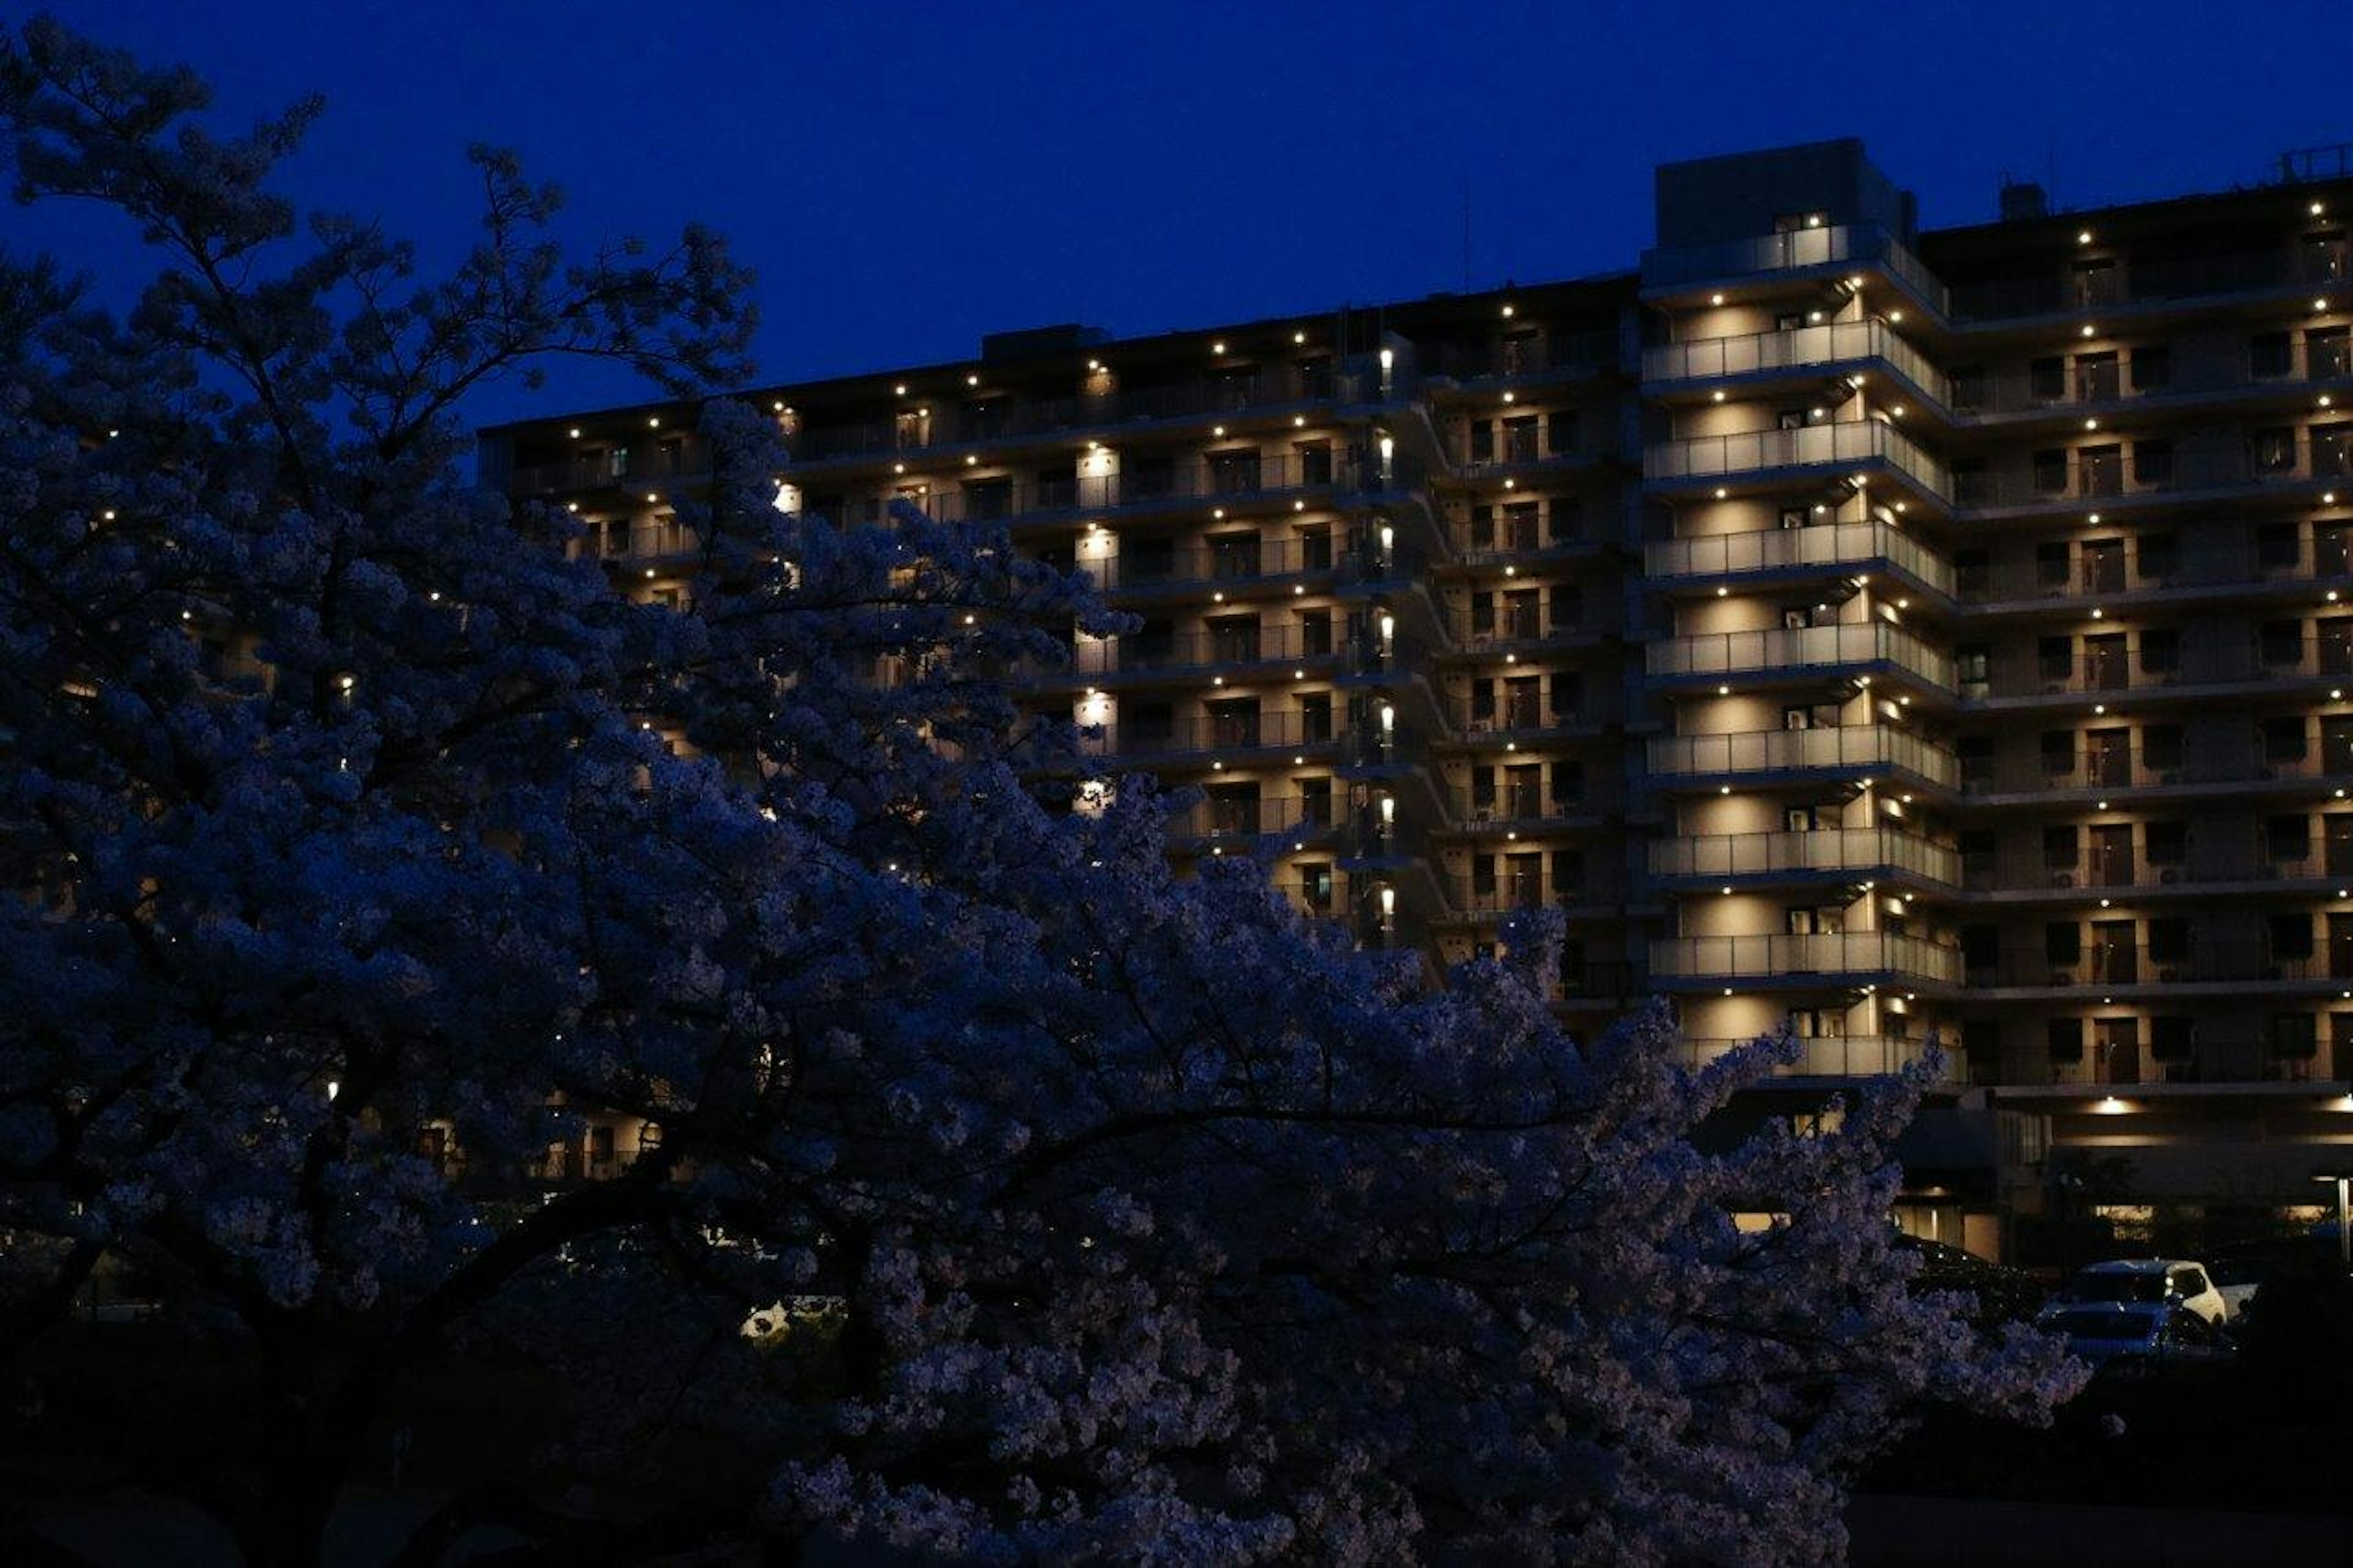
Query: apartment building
pixel 1882 632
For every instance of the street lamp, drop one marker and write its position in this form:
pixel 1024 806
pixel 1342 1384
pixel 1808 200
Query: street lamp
pixel 2344 1232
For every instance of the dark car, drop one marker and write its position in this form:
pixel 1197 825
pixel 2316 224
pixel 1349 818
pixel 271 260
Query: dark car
pixel 2001 1294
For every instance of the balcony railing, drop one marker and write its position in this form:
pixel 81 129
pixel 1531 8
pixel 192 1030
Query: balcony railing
pixel 2129 767
pixel 1255 816
pixel 1205 650
pixel 1219 735
pixel 2153 281
pixel 1793 958
pixel 2023 871
pixel 1791 649
pixel 1827 849
pixel 1525 805
pixel 1549 354
pixel 2303 659
pixel 1237 480
pixel 1507 893
pixel 1839 546
pixel 1255 559
pixel 1801 347
pixel 2147 963
pixel 948 425
pixel 629 467
pixel 2305 458
pixel 1843 747
pixel 1833 1056
pixel 2076 386
pixel 1842 444
pixel 1839 245
pixel 2217 566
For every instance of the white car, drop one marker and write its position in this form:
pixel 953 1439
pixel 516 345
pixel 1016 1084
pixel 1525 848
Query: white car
pixel 2149 1280
pixel 2138 1335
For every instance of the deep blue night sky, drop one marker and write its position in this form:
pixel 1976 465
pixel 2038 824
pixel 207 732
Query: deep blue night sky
pixel 907 176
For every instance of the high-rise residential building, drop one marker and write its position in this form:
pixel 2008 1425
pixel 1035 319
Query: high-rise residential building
pixel 1875 632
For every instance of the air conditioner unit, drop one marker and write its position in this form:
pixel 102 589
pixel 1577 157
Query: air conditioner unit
pixel 2063 878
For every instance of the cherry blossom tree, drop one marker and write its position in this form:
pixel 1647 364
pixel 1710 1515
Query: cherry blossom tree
pixel 1094 1214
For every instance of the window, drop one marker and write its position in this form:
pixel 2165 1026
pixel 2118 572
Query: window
pixel 2051 565
pixel 2292 1034
pixel 2161 746
pixel 2055 657
pixel 2160 555
pixel 2272 451
pixel 2328 353
pixel 2161 651
pixel 2287 840
pixel 2268 356
pixel 1567 516
pixel 2277 547
pixel 2282 642
pixel 1973 663
pixel 2152 367
pixel 2046 379
pixel 2284 739
pixel 1560 432
pixel 2059 847
pixel 2291 939
pixel 2169 940
pixel 2152 462
pixel 2166 843
pixel 2064 1038
pixel 1520 439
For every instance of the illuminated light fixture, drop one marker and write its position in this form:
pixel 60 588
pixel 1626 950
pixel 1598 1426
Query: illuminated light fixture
pixel 2097 613
pixel 1511 484
pixel 1297 420
pixel 969 459
pixel 1216 348
pixel 1216 767
pixel 972 380
pixel 2320 304
pixel 1298 847
pixel 108 515
pixel 1716 298
pixel 571 506
pixel 1511 745
pixel 1511 658
pixel 1510 570
pixel 2088 330
pixel 1299 506
pixel 1903 604
pixel 1813 220
pixel 898 468
pixel 575 432
pixel 1217 680
pixel 2109 1105
pixel 1855 281
pixel 2104 903
pixel 2100 806
pixel 1298 762
pixel 1816 412
pixel 1717 397
pixel 1217 429
pixel 1217 849
pixel 1894 315
pixel 1094 364
pixel 1723 691
pixel 347 683
pixel 1298 588
pixel 1507 312
pixel 1897 411
pixel 1298 675
pixel 2099 708
pixel 901 389
pixel 1509 396
pixel 1723 593
pixel 1220 597
pixel 655 423
pixel 2092 518
pixel 2091 423
pixel 1724 789
pixel 2083 236
pixel 649 572
pixel 1299 337
pixel 1904 505
pixel 1814 315
pixel 1727 892
pixel 1721 492
pixel 776 407
pixel 1218 513
pixel 1727 990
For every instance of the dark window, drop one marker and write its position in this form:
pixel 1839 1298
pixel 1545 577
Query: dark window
pixel 2268 355
pixel 2065 1038
pixel 2152 367
pixel 2152 462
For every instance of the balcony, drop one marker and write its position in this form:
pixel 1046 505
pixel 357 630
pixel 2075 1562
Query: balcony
pixel 2022 874
pixel 2106 968
pixel 2156 281
pixel 1222 565
pixel 2132 767
pixel 1831 957
pixel 1816 349
pixel 2222 564
pixel 2180 670
pixel 1840 246
pixel 1224 821
pixel 2108 481
pixel 1506 894
pixel 1269 388
pixel 1868 748
pixel 1240 479
pixel 1838 447
pixel 1548 356
pixel 1530 721
pixel 1791 651
pixel 617 541
pixel 2114 381
pixel 629 466
pixel 1841 548
pixel 1234 652
pixel 1823 853
pixel 1223 736
pixel 1528 807
pixel 1832 1056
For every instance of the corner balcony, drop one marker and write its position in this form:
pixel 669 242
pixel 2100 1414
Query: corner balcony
pixel 1841 549
pixel 1866 750
pixel 1810 453
pixel 1823 854
pixel 1826 249
pixel 1835 348
pixel 1800 653
pixel 1845 959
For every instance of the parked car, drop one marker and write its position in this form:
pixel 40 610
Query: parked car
pixel 2146 1281
pixel 2139 1336
pixel 2003 1294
